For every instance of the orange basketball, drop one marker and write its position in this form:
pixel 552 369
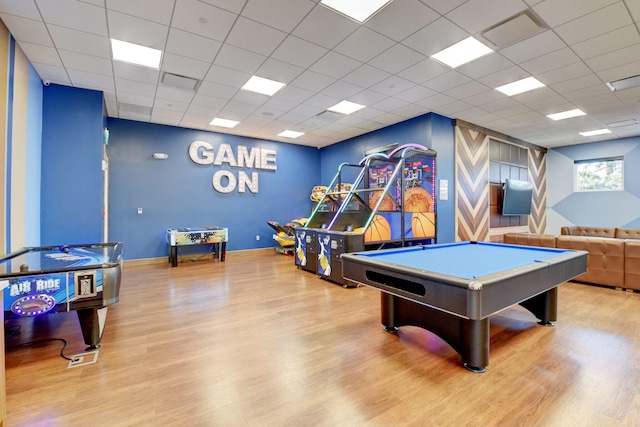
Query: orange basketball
pixel 417 200
pixel 387 202
pixel 423 224
pixel 378 230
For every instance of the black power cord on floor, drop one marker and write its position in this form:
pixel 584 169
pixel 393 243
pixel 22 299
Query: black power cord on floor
pixel 44 340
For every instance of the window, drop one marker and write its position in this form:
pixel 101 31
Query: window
pixel 599 175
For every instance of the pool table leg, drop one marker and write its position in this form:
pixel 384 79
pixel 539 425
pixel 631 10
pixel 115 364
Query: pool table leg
pixel 470 338
pixel 544 306
pixel 92 321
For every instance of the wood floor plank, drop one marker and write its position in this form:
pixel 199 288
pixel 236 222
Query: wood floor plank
pixel 254 341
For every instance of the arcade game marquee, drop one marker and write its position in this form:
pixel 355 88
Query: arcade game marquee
pixel 83 278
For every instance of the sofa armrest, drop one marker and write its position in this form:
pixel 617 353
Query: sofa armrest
pixel 632 264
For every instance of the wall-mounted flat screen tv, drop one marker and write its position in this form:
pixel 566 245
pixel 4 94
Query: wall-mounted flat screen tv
pixel 516 197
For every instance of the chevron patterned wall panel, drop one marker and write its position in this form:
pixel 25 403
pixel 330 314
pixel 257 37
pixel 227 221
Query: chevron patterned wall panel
pixel 538 175
pixel 472 185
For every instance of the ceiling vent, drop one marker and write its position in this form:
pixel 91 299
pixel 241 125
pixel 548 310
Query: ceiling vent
pixel 180 82
pixel 123 107
pixel 513 30
pixel 329 116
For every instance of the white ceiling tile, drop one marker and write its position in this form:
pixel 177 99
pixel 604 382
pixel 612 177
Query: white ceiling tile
pixel 82 62
pixel 216 90
pixel 502 77
pixel 199 18
pixel 279 71
pixel 567 72
pixel 22 8
pixel 447 81
pixel 207 102
pixel 135 99
pixel 27 30
pixel 550 61
pixel 396 59
pixel 616 39
pixel 466 90
pixel 91 80
pixel 297 51
pixel 342 89
pixel 577 83
pixel 443 6
pixel 533 47
pixel 415 93
pixel 281 14
pixel 423 71
pixel 250 98
pixel 295 94
pixel 152 10
pixel 52 73
pixel 76 41
pixel 311 80
pixel 486 65
pixel 135 87
pixel 74 14
pixel 324 27
pixel 556 12
pixel 239 59
pixel 254 36
pixel 477 15
pixel 136 30
pixel 41 54
pixel 392 85
pixel 436 36
pixel 170 105
pixel 364 44
pixel 484 97
pixel 136 73
pixel 323 101
pixel 615 58
pixel 620 72
pixel 173 94
pixel 595 24
pixel 368 97
pixel 400 19
pixel 192 45
pixel 634 8
pixel 436 101
pixel 183 66
pixel 390 104
pixel 227 76
pixel 335 65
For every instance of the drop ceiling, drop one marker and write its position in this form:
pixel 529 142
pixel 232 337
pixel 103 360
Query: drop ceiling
pixel 574 47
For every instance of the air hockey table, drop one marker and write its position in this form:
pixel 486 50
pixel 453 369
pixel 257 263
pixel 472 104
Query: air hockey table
pixel 453 289
pixel 82 278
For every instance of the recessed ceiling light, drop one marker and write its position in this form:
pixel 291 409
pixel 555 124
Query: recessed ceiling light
pixel 262 85
pixel 358 10
pixel 223 123
pixel 346 107
pixel 520 86
pixel 595 132
pixel 462 52
pixel 566 114
pixel 135 54
pixel 290 134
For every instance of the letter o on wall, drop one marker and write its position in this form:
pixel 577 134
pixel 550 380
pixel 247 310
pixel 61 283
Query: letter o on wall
pixel 231 181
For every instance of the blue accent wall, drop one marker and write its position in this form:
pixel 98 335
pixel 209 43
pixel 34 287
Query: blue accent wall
pixel 593 208
pixel 430 130
pixel 34 153
pixel 177 192
pixel 71 186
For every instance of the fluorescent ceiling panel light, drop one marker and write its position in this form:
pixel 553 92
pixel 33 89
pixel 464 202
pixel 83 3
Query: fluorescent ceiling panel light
pixel 595 132
pixel 624 83
pixel 462 52
pixel 566 114
pixel 358 10
pixel 135 54
pixel 346 107
pixel 520 86
pixel 262 85
pixel 290 134
pixel 223 123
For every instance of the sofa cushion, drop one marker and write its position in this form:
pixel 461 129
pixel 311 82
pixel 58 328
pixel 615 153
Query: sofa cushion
pixel 605 262
pixel 578 230
pixel 544 240
pixel 632 264
pixel 627 233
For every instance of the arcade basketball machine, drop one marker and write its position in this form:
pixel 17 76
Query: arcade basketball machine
pixel 391 203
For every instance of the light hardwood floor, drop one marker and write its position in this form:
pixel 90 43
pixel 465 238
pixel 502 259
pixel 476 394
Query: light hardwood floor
pixel 253 341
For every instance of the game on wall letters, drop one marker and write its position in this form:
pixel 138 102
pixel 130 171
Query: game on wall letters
pixel 227 181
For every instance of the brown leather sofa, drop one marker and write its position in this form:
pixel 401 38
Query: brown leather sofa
pixel 614 253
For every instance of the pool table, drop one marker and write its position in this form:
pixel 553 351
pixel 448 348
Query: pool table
pixel 453 289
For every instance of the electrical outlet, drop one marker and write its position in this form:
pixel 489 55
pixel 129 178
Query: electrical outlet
pixel 258 237
pixel 139 211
